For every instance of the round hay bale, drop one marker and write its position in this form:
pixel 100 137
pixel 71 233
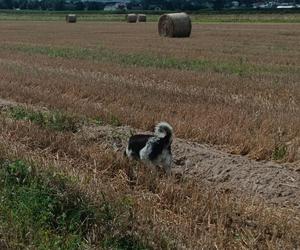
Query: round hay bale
pixel 175 25
pixel 131 18
pixel 71 18
pixel 142 18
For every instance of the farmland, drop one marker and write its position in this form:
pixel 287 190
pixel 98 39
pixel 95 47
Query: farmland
pixel 74 92
pixel 204 16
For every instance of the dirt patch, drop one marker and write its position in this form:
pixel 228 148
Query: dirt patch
pixel 6 103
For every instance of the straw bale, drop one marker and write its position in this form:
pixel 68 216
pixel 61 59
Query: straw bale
pixel 175 25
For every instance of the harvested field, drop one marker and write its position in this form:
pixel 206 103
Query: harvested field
pixel 228 88
pixel 231 85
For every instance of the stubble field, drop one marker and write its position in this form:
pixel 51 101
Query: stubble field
pixel 230 84
pixel 233 86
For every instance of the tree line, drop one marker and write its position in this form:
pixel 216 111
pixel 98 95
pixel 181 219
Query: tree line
pixel 143 4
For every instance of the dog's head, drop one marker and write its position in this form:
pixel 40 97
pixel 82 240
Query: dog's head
pixel 163 129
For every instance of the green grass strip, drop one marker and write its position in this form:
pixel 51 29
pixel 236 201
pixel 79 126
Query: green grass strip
pixel 58 120
pixel 145 60
pixel 55 120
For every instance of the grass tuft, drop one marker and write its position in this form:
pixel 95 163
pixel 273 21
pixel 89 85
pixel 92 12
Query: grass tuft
pixel 279 152
pixel 53 120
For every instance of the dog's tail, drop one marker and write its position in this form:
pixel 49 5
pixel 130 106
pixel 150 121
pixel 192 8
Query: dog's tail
pixel 164 130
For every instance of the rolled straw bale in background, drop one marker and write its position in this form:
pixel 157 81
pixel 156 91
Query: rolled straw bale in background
pixel 142 18
pixel 175 25
pixel 71 18
pixel 131 18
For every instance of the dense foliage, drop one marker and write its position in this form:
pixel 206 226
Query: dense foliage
pixel 133 4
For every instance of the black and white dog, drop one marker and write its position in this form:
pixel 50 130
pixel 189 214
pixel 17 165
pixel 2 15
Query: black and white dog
pixel 154 149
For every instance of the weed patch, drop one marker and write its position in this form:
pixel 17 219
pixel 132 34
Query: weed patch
pixel 41 211
pixel 45 211
pixel 279 152
pixel 53 120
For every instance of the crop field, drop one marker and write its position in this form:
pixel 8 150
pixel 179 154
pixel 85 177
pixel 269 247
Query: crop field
pixel 70 95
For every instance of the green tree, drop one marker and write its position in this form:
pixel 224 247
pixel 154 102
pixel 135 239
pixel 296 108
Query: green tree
pixel 59 5
pixel 8 4
pixel 79 5
pixel 218 4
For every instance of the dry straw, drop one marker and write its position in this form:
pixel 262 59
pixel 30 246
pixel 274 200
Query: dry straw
pixel 71 18
pixel 175 25
pixel 131 18
pixel 142 18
